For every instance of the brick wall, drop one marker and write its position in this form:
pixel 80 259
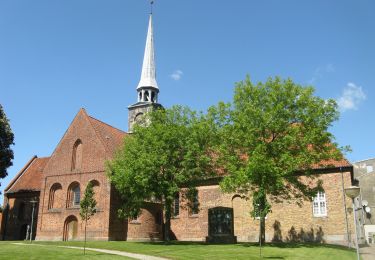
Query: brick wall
pixel 145 227
pixel 287 221
pixel 59 170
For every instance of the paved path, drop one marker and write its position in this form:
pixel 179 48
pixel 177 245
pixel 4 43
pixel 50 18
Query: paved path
pixel 368 252
pixel 112 252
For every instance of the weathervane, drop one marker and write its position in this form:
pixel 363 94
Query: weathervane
pixel 151 3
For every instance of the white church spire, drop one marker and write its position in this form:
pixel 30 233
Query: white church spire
pixel 147 89
pixel 148 75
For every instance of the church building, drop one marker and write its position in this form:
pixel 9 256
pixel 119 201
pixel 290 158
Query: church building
pixel 43 199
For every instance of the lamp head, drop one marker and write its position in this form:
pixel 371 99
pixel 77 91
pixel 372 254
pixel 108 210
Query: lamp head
pixel 352 191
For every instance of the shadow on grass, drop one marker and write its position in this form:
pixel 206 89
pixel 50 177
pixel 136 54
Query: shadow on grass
pixel 174 243
pixel 250 244
pixel 247 244
pixel 299 245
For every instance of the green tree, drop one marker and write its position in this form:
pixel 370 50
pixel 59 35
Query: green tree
pixel 6 140
pixel 157 160
pixel 88 207
pixel 271 134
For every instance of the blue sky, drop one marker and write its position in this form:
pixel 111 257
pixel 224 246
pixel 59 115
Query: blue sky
pixel 59 56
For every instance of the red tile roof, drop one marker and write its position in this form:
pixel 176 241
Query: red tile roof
pixel 30 176
pixel 333 164
pixel 111 137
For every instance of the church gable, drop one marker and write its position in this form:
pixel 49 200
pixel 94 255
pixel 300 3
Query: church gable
pixel 81 149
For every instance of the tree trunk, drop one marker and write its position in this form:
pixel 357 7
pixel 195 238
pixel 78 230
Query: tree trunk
pixel 262 231
pixel 84 246
pixel 262 200
pixel 167 226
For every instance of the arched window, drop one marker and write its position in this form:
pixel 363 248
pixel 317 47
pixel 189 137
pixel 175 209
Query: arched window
pixel 74 195
pixel 153 96
pixel 77 155
pixel 146 96
pixel 55 196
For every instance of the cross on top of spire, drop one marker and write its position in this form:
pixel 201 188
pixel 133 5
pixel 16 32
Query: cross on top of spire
pixel 151 3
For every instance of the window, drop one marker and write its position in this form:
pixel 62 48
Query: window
pixel 320 205
pixel 152 96
pixel 195 204
pixel 74 195
pixel 77 155
pixel 220 221
pixel 55 196
pixel 146 96
pixel 176 205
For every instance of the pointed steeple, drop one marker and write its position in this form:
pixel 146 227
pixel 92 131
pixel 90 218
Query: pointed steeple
pixel 148 75
pixel 147 89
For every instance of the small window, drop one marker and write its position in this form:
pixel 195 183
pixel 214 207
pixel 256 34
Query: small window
pixel 146 96
pixel 153 96
pixel 195 204
pixel 74 195
pixel 176 205
pixel 320 205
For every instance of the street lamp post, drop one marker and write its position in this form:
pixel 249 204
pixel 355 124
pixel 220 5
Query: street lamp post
pixel 353 192
pixel 32 219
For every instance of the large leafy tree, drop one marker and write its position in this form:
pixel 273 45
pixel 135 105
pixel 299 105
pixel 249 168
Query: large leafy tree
pixel 167 151
pixel 6 140
pixel 87 207
pixel 270 134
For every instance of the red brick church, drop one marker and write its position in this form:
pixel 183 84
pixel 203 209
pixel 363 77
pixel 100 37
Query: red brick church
pixel 43 199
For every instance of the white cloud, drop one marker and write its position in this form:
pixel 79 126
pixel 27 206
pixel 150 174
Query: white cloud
pixel 320 71
pixel 176 75
pixel 351 97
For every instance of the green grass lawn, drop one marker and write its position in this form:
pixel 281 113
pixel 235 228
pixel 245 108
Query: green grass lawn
pixel 191 250
pixel 37 251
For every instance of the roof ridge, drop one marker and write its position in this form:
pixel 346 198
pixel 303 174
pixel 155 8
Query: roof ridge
pixel 45 157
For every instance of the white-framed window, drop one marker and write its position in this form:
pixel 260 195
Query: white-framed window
pixel 320 205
